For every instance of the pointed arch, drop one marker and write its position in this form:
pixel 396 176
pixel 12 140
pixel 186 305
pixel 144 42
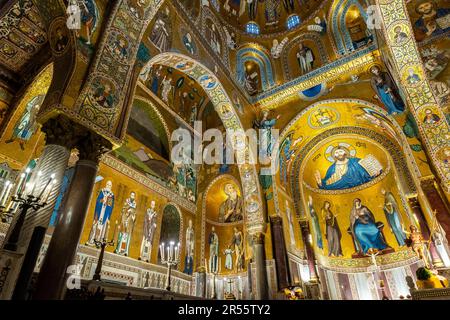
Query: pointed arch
pixel 232 123
pixel 262 59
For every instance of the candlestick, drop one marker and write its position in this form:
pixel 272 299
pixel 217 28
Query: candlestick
pixel 4 190
pixel 19 184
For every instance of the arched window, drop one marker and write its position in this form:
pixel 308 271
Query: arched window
pixel 292 21
pixel 252 28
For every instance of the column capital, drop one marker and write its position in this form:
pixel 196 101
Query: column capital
pixel 92 146
pixel 60 131
pixel 276 220
pixel 258 237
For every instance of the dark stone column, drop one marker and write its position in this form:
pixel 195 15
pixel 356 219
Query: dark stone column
pixel 51 283
pixel 424 228
pixel 279 252
pixel 438 203
pixel 304 226
pixel 261 285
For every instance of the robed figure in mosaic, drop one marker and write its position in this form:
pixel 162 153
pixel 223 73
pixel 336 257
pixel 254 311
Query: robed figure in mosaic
pixel 149 233
pixel 104 206
pixel 386 91
pixel 348 171
pixel 393 217
pixel 189 258
pixel 315 223
pixel 213 241
pixel 127 220
pixel 333 232
pixel 365 231
pixel 231 209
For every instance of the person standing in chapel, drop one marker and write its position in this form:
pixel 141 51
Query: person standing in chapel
pixel 102 214
pixel 127 220
pixel 149 232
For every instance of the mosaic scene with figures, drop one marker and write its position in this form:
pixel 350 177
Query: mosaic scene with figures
pixel 224 149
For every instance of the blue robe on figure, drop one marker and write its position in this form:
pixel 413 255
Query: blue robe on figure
pixel 355 176
pixel 365 231
pixel 316 226
pixel 99 205
pixel 396 226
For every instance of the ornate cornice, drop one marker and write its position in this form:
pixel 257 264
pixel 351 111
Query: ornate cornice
pixel 270 99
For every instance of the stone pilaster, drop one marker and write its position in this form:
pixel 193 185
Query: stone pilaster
pixel 261 285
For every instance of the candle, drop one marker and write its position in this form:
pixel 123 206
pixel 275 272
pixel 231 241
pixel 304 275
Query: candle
pixel 45 188
pixel 8 191
pixel 161 249
pixel 20 184
pixel 171 250
pixel 4 190
pixel 35 182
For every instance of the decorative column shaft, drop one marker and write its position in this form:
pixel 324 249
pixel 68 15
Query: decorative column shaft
pixel 405 56
pixel 304 226
pixel 279 252
pixel 63 245
pixel 424 228
pixel 438 205
pixel 261 285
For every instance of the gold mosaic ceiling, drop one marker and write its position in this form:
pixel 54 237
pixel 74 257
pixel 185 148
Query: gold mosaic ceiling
pixel 22 34
pixel 271 16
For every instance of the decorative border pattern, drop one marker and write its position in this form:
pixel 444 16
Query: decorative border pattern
pixel 359 60
pixel 420 97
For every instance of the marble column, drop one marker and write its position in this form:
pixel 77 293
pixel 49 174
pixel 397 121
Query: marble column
pixel 51 283
pixel 279 252
pixel 304 226
pixel 438 204
pixel 53 160
pixel 261 285
pixel 424 228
